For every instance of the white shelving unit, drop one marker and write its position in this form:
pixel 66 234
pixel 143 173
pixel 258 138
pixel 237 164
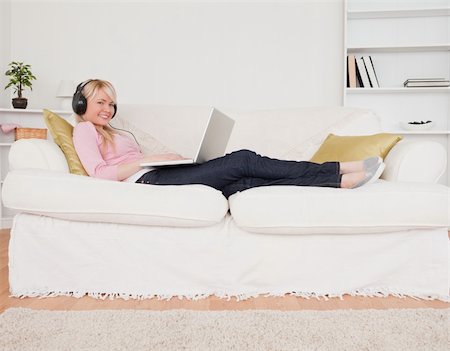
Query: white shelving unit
pixel 24 118
pixel 404 42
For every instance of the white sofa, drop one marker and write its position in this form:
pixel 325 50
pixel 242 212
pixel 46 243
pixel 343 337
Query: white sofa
pixel 77 235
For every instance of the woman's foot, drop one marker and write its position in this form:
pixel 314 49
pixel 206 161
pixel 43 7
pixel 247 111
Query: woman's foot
pixel 357 179
pixel 360 166
pixel 372 162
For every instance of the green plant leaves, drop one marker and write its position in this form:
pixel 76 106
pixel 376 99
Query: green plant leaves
pixel 20 77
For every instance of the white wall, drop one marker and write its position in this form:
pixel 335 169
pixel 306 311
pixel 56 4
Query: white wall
pixel 228 54
pixel 5 46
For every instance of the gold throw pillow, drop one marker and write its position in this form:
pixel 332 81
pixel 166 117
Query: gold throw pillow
pixel 62 131
pixel 352 148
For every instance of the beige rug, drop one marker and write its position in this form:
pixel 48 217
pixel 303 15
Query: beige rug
pixel 407 329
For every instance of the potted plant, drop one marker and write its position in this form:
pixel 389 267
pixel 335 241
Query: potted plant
pixel 20 77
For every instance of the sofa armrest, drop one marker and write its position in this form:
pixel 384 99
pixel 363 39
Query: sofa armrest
pixel 37 154
pixel 415 161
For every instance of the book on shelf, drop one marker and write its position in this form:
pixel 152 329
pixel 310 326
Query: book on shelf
pixel 371 71
pixel 361 73
pixel 426 82
pixel 425 79
pixel 442 84
pixel 351 71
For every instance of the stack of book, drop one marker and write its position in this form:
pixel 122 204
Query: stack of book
pixel 426 82
pixel 361 72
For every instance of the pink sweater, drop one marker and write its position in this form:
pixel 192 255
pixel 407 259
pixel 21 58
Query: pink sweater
pixel 98 164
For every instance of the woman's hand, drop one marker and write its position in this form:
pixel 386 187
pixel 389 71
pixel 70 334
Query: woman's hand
pixel 127 169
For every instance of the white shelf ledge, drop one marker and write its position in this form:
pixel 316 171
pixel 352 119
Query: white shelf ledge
pixel 431 12
pixel 6 144
pixel 398 48
pixel 425 132
pixel 32 111
pixel 397 90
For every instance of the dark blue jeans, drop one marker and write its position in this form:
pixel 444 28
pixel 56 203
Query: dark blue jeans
pixel 244 169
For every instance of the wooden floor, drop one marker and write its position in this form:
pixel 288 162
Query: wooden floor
pixel 212 303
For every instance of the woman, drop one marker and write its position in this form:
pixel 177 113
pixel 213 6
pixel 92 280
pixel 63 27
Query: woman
pixel 108 154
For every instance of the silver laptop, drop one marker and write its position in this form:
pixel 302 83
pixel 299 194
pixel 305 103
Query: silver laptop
pixel 213 144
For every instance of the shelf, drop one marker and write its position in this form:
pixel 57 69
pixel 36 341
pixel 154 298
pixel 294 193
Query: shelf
pixel 398 48
pixel 6 144
pixel 431 12
pixel 397 90
pixel 425 132
pixel 32 111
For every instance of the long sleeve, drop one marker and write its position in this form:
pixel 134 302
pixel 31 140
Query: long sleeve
pixel 87 145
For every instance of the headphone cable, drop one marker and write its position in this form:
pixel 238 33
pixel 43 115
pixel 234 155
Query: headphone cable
pixel 124 130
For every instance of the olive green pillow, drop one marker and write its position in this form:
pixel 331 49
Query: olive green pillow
pixel 62 131
pixel 352 148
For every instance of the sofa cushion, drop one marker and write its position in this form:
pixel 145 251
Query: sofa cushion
pixel 352 148
pixel 61 131
pixel 378 207
pixel 88 199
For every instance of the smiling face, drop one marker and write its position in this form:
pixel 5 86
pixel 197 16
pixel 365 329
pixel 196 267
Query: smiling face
pixel 100 109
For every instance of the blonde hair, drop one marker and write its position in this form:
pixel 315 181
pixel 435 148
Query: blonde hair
pixel 89 91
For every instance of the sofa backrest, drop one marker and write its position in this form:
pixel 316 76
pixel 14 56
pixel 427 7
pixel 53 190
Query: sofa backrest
pixel 283 133
pixel 293 134
pixel 296 134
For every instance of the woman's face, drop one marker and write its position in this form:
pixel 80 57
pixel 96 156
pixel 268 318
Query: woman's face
pixel 100 109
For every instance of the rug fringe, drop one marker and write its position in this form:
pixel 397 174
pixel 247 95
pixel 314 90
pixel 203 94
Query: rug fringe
pixel 372 292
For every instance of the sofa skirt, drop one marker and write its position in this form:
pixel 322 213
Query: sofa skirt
pixel 52 257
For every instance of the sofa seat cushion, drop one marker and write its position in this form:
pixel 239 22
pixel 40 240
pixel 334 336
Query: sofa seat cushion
pixel 375 208
pixel 80 198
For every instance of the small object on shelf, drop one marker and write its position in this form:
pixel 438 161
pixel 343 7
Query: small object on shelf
pixel 31 133
pixel 417 125
pixel 8 127
pixel 426 82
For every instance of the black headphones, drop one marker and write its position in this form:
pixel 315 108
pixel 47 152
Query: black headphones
pixel 79 101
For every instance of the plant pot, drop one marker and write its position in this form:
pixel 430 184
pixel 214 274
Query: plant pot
pixel 19 102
